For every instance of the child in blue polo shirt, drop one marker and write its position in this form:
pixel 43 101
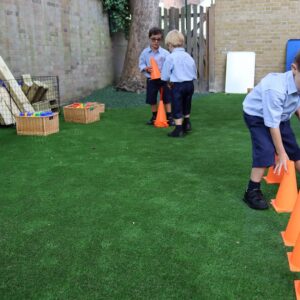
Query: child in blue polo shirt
pixel 267 112
pixel 180 70
pixel 154 86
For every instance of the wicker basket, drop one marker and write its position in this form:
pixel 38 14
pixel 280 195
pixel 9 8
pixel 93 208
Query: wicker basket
pixel 100 106
pixel 37 125
pixel 81 115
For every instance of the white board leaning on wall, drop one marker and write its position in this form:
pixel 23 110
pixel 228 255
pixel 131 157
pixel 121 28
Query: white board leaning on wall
pixel 240 70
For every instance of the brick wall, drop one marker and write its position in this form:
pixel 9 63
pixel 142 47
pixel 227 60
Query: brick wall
pixel 261 26
pixel 68 38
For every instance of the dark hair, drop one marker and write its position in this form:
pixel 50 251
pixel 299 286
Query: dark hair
pixel 297 61
pixel 155 31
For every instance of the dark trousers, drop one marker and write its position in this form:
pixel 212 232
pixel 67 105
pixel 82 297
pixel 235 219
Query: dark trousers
pixel 263 150
pixel 181 95
pixel 153 87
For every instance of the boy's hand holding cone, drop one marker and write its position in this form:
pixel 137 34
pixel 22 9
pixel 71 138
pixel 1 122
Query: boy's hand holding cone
pixel 148 69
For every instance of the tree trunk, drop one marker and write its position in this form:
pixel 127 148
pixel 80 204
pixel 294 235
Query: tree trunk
pixel 145 14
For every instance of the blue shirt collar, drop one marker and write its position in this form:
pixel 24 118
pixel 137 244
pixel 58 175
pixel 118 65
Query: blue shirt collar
pixel 292 89
pixel 150 50
pixel 178 49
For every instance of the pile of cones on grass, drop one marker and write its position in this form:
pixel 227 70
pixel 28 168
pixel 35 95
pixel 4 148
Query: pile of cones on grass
pixel 288 200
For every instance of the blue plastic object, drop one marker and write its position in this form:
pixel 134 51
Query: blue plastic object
pixel 46 114
pixel 292 47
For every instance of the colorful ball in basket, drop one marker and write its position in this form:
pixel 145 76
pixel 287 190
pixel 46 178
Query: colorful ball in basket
pixel 46 113
pixel 76 105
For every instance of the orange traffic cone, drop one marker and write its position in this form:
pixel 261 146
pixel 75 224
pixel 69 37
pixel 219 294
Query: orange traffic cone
pixel 155 74
pixel 287 193
pixel 294 257
pixel 272 178
pixel 297 289
pixel 161 118
pixel 293 227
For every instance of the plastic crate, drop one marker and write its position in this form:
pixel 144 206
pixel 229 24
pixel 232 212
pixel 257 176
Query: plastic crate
pixel 82 115
pixel 37 125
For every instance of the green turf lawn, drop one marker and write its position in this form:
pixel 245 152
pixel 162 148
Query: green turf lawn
pixel 117 210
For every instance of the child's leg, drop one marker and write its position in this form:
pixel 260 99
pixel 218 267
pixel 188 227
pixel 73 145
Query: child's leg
pixel 168 107
pixel 297 164
pixel 257 174
pixel 187 105
pixel 263 155
pixel 177 96
pixel 290 143
pixel 167 101
pixel 151 98
pixel 154 107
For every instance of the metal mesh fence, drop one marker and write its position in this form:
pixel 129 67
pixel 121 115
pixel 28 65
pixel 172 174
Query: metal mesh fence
pixel 28 94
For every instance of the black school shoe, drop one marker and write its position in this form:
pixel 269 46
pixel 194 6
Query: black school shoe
pixel 151 121
pixel 255 199
pixel 186 125
pixel 171 121
pixel 177 132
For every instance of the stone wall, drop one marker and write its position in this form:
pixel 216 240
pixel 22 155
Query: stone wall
pixel 68 38
pixel 261 26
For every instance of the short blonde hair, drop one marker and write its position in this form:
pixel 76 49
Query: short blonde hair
pixel 174 38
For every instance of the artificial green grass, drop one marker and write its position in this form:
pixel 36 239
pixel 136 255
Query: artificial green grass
pixel 117 210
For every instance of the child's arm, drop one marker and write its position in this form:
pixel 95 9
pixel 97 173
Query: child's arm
pixel 282 156
pixel 297 113
pixel 143 64
pixel 272 110
pixel 167 69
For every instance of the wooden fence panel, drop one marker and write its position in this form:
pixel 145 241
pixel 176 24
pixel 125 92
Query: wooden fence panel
pixel 174 18
pixel 190 21
pixel 182 21
pixel 188 29
pixel 166 21
pixel 211 48
pixel 202 54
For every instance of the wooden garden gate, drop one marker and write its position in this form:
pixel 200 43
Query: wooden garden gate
pixel 193 22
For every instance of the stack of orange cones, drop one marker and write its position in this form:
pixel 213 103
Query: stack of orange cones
pixel 297 289
pixel 292 230
pixel 161 117
pixel 155 74
pixel 287 193
pixel 273 178
pixel 294 257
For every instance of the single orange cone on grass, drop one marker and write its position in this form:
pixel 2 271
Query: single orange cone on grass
pixel 294 257
pixel 161 117
pixel 292 230
pixel 297 289
pixel 155 74
pixel 272 178
pixel 287 193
